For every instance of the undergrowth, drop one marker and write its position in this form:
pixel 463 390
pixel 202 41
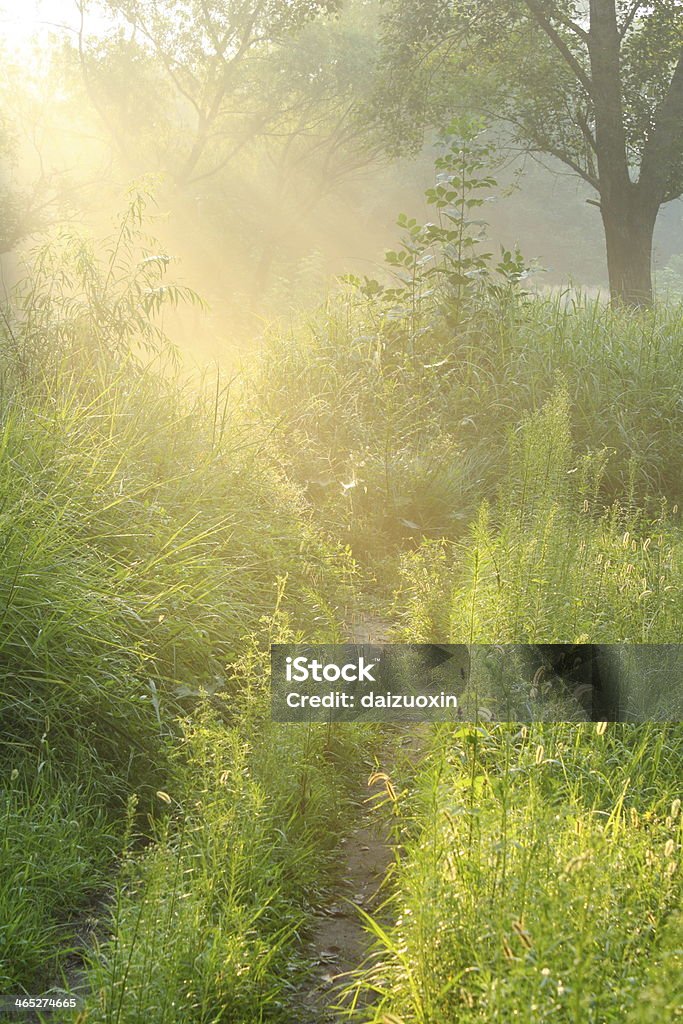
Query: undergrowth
pixel 144 539
pixel 206 924
pixel 547 562
pixel 539 878
pixel 539 881
pixel 391 445
pixel 512 464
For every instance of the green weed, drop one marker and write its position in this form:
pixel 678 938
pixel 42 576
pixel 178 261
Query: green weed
pixel 388 447
pixel 540 879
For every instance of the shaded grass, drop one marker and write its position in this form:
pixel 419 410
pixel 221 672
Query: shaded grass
pixel 396 441
pixel 56 849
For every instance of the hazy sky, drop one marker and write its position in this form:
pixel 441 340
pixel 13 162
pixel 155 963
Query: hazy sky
pixel 22 19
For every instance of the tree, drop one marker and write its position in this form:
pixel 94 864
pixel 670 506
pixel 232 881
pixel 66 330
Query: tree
pixel 597 85
pixel 41 184
pixel 208 52
pixel 206 90
pixel 323 140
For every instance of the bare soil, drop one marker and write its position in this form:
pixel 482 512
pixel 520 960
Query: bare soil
pixel 339 943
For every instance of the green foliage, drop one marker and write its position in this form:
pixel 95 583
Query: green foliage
pixel 56 848
pixel 205 923
pixel 440 267
pixel 391 446
pixel 599 89
pixel 540 879
pixel 531 64
pixel 143 538
pixel 82 303
pixel 155 539
pixel 139 547
pixel 547 564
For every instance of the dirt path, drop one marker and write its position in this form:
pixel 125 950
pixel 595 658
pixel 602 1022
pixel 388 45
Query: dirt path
pixel 368 629
pixel 339 942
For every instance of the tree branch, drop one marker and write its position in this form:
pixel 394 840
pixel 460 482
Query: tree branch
pixel 88 83
pixel 538 13
pixel 571 25
pixel 660 149
pixel 537 144
pixel 167 61
pixel 560 154
pixel 628 20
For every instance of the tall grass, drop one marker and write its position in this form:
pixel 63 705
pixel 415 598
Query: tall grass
pixel 539 877
pixel 392 445
pixel 206 923
pixel 135 557
pixel 540 880
pixel 56 850
pixel 548 563
pixel 154 539
pixel 143 538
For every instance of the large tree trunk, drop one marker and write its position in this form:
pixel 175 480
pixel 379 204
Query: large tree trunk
pixel 629 228
pixel 628 233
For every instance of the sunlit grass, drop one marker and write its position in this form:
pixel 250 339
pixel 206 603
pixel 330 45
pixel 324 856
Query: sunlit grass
pixel 514 480
pixel 540 879
pixel 144 538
